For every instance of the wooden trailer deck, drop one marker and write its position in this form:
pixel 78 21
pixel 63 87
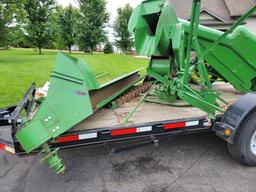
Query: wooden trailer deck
pixel 151 112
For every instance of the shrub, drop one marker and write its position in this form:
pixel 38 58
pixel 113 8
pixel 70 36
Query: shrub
pixel 108 48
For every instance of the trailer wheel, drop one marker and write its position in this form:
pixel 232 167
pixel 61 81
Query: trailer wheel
pixel 244 147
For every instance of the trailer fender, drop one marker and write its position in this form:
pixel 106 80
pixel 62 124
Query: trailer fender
pixel 229 124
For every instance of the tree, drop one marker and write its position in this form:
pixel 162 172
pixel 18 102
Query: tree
pixel 92 19
pixel 57 42
pixel 108 48
pixel 39 30
pixel 67 26
pixel 17 38
pixel 123 38
pixel 11 14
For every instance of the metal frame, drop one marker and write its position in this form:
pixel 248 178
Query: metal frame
pixel 103 135
pixel 10 118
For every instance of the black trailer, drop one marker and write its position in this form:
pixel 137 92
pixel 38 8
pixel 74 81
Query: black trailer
pixel 150 124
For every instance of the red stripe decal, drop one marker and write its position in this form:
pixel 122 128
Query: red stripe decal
pixel 2 146
pixel 68 138
pixel 123 131
pixel 175 125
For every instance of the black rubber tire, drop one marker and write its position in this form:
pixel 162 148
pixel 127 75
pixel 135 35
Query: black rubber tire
pixel 241 149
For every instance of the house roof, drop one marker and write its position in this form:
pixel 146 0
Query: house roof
pixel 217 8
pixel 239 7
pixel 223 10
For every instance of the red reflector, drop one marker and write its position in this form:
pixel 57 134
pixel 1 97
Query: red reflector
pixel 2 146
pixel 68 138
pixel 123 131
pixel 175 125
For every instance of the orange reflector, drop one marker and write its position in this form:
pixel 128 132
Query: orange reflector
pixel 227 132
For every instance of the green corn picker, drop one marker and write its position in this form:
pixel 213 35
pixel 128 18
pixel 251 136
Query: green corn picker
pixel 179 50
pixel 169 41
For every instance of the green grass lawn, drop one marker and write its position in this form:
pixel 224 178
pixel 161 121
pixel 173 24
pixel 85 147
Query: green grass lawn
pixel 21 67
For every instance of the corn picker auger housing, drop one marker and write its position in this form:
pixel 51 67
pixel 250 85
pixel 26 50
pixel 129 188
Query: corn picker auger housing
pixel 74 93
pixel 169 42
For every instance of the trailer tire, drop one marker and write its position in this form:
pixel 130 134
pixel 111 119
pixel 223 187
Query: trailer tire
pixel 242 149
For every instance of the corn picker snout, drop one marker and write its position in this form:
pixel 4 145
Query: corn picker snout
pixel 74 94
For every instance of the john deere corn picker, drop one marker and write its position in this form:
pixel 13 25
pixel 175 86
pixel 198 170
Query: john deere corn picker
pixel 181 92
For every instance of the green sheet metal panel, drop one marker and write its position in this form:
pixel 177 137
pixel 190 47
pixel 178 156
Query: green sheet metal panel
pixel 151 22
pixel 234 58
pixel 68 91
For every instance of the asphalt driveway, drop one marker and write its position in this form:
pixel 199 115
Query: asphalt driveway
pixel 191 163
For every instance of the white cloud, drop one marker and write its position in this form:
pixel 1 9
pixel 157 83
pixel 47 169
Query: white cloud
pixel 67 2
pixel 112 6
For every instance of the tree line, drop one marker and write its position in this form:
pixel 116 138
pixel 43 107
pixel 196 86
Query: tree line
pixel 45 24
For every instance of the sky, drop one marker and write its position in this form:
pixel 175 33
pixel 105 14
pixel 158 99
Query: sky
pixel 112 6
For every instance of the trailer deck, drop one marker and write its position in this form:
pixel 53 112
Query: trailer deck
pixel 151 112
